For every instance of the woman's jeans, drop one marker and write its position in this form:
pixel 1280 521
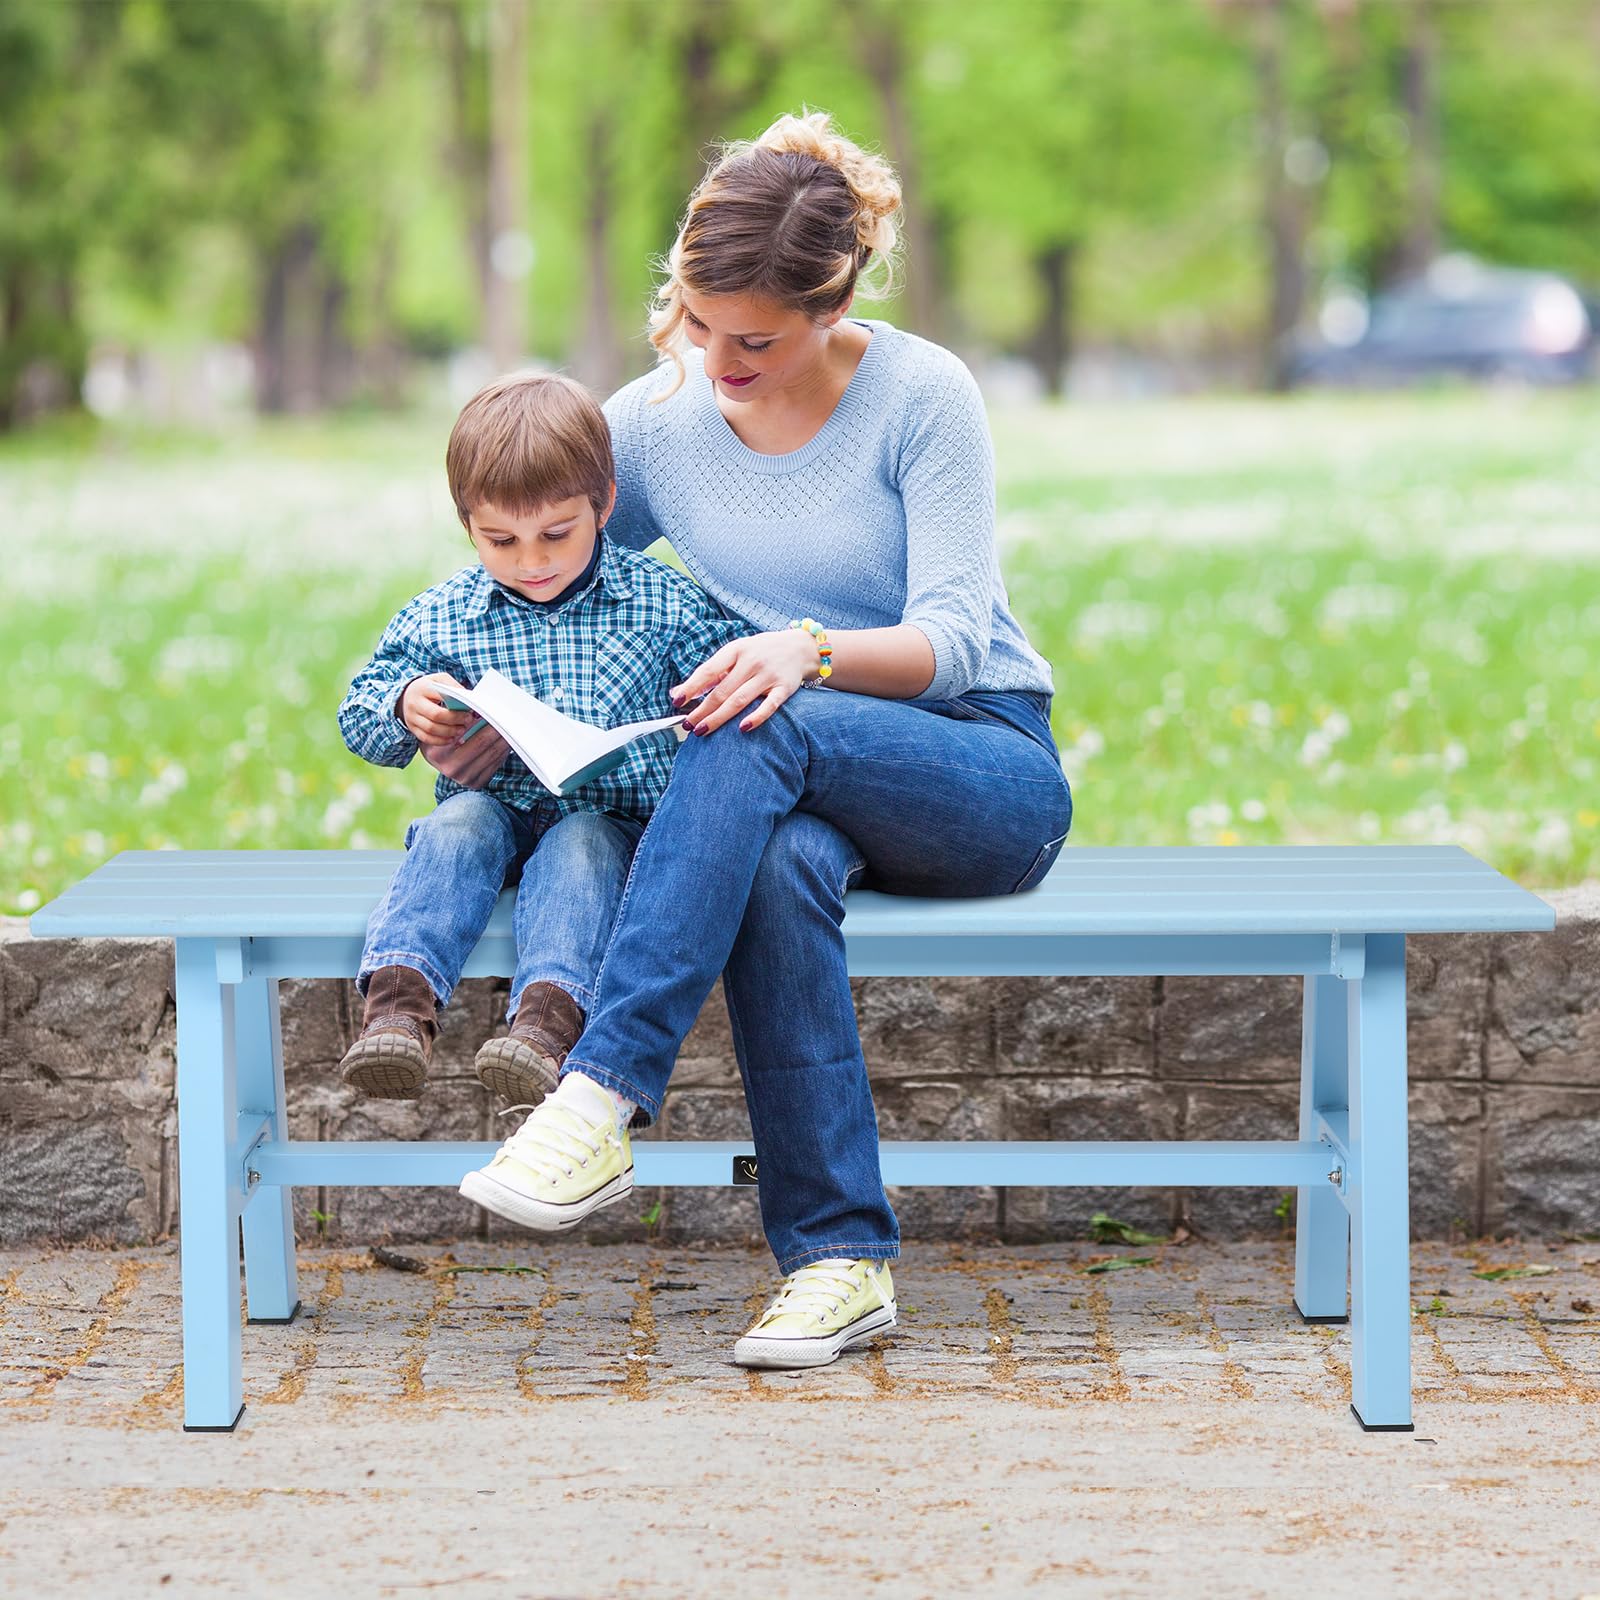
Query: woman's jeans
pixel 743 871
pixel 457 861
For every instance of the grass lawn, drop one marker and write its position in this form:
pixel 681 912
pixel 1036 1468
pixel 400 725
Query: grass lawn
pixel 1330 619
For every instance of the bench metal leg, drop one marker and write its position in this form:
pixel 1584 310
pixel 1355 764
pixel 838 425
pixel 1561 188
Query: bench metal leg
pixel 1322 1225
pixel 1380 1213
pixel 269 1267
pixel 210 1200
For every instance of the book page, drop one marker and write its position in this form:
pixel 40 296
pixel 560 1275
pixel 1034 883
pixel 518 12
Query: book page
pixel 561 752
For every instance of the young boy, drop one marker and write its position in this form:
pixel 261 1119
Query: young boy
pixel 598 632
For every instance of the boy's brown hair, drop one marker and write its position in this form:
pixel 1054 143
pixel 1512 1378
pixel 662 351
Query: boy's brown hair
pixel 527 441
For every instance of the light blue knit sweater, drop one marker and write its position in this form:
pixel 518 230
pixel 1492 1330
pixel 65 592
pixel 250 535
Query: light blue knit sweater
pixel 886 516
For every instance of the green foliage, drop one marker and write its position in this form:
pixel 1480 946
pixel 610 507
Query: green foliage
pixel 310 178
pixel 1121 1264
pixel 1302 636
pixel 1522 115
pixel 1267 623
pixel 1104 1229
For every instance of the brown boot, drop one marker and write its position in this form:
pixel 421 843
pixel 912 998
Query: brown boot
pixel 390 1059
pixel 523 1067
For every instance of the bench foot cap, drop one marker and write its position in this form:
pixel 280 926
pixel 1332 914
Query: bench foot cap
pixel 273 1322
pixel 219 1427
pixel 1339 1321
pixel 1383 1427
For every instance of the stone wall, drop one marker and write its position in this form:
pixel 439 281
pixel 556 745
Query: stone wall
pixel 1505 1092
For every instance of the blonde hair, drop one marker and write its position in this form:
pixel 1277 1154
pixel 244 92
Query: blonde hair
pixel 800 216
pixel 526 441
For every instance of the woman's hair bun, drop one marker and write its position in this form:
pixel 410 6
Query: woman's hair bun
pixel 871 179
pixel 800 216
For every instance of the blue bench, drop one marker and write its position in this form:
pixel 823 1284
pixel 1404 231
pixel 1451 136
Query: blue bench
pixel 1338 915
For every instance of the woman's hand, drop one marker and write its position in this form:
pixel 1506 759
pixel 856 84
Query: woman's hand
pixel 768 667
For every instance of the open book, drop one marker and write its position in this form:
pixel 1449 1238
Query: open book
pixel 561 752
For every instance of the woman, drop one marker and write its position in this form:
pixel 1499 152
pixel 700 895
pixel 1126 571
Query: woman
pixel 804 465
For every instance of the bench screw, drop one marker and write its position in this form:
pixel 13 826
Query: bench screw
pixel 1336 1177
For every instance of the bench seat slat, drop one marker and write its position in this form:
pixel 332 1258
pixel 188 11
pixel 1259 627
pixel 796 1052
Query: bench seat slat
pixel 1131 853
pixel 1069 898
pixel 932 919
pixel 1164 890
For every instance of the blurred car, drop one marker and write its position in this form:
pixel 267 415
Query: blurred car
pixel 1460 318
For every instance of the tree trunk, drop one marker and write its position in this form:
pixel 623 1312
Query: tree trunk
pixel 1051 346
pixel 334 359
pixel 506 295
pixel 272 332
pixel 286 362
pixel 1284 207
pixel 1419 243
pixel 466 147
pixel 704 107
pixel 377 367
pixel 70 347
pixel 884 51
pixel 12 360
pixel 709 108
pixel 599 362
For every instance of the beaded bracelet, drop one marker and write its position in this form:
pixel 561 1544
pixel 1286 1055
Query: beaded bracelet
pixel 824 649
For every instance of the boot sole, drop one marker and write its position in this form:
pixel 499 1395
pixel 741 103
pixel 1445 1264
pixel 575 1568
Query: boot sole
pixel 514 1070
pixel 389 1067
pixel 541 1215
pixel 785 1354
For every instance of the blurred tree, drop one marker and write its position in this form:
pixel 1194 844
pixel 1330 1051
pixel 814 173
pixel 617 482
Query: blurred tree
pixel 346 184
pixel 1283 187
pixel 726 54
pixel 1096 122
pixel 888 34
pixel 603 163
pixel 1520 120
pixel 1286 41
pixel 1419 96
pixel 505 311
pixel 45 52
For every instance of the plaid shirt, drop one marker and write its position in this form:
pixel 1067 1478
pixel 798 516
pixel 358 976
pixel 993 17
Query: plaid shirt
pixel 606 655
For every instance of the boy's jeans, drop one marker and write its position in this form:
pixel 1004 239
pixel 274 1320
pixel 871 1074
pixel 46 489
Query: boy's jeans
pixel 457 861
pixel 745 866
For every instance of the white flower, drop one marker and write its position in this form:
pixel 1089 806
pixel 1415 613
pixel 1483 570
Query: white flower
pixel 1554 837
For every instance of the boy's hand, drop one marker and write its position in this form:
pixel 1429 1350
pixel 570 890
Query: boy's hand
pixel 423 711
pixel 768 667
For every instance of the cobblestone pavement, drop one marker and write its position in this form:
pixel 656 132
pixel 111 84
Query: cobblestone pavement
pixel 565 1421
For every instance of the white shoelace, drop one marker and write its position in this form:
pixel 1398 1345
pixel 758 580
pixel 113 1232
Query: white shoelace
pixel 820 1288
pixel 548 1147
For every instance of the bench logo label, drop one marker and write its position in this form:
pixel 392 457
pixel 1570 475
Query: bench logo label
pixel 744 1169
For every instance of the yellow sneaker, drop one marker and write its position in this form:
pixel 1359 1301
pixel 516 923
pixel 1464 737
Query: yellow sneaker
pixel 823 1308
pixel 567 1159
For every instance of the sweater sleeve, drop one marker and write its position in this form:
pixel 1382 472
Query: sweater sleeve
pixel 946 482
pixel 628 414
